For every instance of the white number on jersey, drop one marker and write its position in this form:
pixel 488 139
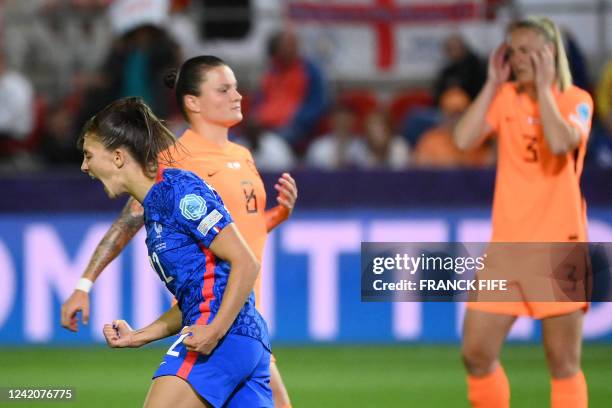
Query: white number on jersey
pixel 156 265
pixel 171 351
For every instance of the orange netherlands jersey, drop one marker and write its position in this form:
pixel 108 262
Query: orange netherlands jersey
pixel 537 194
pixel 436 149
pixel 232 173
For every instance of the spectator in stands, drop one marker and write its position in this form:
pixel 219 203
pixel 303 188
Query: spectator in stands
pixel 138 63
pixel 384 149
pixel 35 37
pixel 436 147
pixel 341 148
pixel 463 69
pixel 135 66
pixel 270 151
pixel 16 108
pixel 59 46
pixel 600 145
pixel 54 43
pixel 292 96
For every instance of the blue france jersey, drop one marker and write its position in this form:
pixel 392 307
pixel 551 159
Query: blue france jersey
pixel 183 215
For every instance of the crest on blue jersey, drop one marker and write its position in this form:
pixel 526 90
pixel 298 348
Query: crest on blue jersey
pixel 193 207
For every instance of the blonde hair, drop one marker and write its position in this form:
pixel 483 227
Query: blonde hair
pixel 549 30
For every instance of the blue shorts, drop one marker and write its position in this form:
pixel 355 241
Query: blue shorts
pixel 235 374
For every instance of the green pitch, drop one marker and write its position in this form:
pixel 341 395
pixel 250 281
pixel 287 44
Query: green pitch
pixel 325 376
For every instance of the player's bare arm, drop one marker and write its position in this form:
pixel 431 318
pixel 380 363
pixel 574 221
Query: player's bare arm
pixel 119 334
pixel 228 245
pixel 118 236
pixel 560 136
pixel 120 233
pixel 287 196
pixel 472 128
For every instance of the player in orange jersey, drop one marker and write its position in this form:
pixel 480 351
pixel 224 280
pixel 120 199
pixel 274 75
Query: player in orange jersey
pixel 542 123
pixel 206 92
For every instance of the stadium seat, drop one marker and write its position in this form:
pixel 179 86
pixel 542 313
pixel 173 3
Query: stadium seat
pixel 362 102
pixel 404 102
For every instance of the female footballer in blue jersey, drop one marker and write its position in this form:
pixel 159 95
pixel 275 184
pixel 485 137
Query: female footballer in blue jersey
pixel 221 357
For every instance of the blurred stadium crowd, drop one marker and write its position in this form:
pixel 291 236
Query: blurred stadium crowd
pixel 63 60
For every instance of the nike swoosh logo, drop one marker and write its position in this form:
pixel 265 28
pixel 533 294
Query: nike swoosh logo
pixel 162 363
pixel 210 174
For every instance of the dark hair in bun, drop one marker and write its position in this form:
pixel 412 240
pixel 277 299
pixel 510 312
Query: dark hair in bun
pixel 130 123
pixel 188 79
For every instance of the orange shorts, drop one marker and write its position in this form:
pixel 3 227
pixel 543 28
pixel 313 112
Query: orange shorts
pixel 537 279
pixel 535 310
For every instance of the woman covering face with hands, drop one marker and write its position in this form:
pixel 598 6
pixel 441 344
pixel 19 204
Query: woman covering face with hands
pixel 541 122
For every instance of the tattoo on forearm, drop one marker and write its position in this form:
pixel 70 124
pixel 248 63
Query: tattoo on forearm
pixel 120 233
